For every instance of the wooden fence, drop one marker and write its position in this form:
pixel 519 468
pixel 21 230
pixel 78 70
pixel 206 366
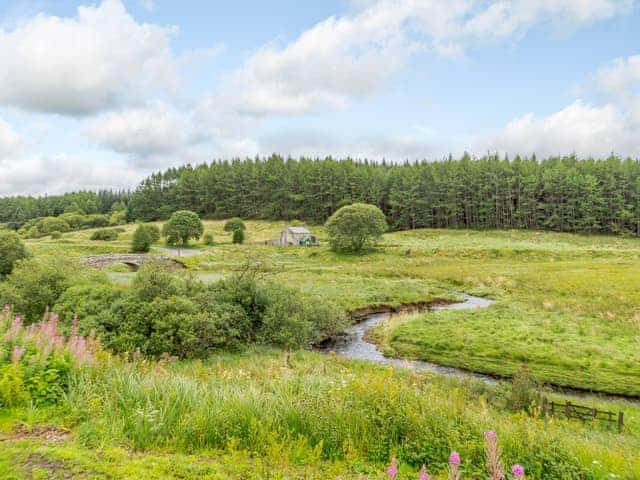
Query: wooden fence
pixel 580 412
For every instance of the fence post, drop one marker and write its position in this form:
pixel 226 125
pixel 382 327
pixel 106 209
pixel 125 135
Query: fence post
pixel 544 407
pixel 567 409
pixel 620 421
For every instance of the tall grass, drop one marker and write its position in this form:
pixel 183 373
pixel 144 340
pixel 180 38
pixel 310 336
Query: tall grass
pixel 328 409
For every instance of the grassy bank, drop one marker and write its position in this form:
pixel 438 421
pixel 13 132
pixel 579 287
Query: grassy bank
pixel 254 415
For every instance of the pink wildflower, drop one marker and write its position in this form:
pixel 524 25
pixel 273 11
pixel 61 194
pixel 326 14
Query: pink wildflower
pixel 454 466
pixel 392 471
pixel 423 474
pixel 490 436
pixel 518 471
pixel 17 354
pixel 494 464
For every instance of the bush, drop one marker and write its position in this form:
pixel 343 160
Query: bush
pixel 143 238
pixel 238 236
pixel 118 218
pixel 355 227
pixel 46 225
pixel 163 313
pixel 153 280
pixel 75 220
pixel 95 221
pixel 11 251
pixel 90 303
pixel 153 231
pixel 182 226
pixel 292 321
pixel 105 234
pixel 56 235
pixel 36 284
pixel 234 224
pixel 208 238
pixel 524 391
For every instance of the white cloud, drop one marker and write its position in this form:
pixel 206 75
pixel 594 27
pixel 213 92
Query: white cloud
pixel 354 55
pixel 10 141
pixel 336 59
pixel 513 17
pixel 413 145
pixel 97 60
pixel 621 78
pixel 586 130
pixel 142 132
pixel 61 173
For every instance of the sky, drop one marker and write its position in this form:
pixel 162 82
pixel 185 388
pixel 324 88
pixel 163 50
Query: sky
pixel 98 94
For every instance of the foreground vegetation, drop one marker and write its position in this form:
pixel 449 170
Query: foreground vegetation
pixel 304 415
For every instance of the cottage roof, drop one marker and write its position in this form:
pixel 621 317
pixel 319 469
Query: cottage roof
pixel 298 230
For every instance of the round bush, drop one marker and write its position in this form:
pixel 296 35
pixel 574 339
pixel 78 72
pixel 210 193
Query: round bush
pixel 355 227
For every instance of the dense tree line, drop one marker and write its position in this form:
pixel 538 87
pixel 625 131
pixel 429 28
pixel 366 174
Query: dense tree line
pixel 16 211
pixel 560 194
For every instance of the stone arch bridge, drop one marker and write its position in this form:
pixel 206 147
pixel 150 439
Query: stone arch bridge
pixel 133 260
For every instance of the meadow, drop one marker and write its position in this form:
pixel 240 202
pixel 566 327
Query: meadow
pixel 566 306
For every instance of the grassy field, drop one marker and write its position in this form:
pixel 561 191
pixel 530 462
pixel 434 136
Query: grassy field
pixel 567 305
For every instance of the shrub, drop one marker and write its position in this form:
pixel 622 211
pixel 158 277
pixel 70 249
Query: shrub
pixel 88 302
pixel 182 226
pixel 238 236
pixel 163 313
pixel 47 225
pixel 37 283
pixel 234 224
pixel 292 321
pixel 75 220
pixel 208 238
pixel 105 234
pixel 56 235
pixel 11 251
pixel 355 227
pixel 118 218
pixel 153 231
pixel 524 391
pixel 142 239
pixel 153 280
pixel 95 221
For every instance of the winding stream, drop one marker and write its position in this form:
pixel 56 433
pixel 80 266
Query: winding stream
pixel 354 345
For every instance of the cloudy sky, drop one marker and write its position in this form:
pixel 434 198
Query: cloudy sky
pixel 97 93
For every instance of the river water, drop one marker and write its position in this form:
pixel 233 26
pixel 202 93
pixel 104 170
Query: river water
pixel 355 346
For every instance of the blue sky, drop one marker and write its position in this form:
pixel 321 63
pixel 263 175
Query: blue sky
pixel 99 93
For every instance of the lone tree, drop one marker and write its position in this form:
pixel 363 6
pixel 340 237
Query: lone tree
pixel 355 227
pixel 182 226
pixel 11 250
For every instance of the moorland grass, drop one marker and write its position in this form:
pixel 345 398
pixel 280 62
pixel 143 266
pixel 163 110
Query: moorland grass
pixel 566 304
